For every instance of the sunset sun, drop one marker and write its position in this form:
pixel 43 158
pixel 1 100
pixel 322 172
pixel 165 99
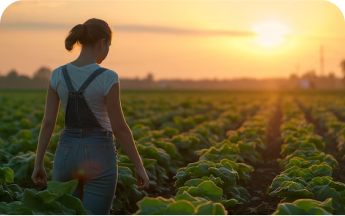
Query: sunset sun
pixel 271 33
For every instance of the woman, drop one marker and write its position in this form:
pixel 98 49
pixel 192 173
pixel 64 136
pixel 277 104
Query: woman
pixel 90 95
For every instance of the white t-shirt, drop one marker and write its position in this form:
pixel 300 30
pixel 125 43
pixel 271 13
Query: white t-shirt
pixel 94 93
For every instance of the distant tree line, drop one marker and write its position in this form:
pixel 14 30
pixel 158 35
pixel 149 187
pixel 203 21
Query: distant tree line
pixel 40 80
pixel 311 74
pixel 342 66
pixel 13 80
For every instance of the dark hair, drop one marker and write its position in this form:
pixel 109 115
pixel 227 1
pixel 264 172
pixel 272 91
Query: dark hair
pixel 88 33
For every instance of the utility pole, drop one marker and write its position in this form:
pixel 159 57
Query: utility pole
pixel 321 61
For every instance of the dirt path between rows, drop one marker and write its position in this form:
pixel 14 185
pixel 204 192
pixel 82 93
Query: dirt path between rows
pixel 263 175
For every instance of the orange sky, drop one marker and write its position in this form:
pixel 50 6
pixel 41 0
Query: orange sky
pixel 178 39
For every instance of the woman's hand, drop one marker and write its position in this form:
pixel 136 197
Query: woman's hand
pixel 39 176
pixel 143 179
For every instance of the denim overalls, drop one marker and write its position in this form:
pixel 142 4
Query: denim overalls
pixel 86 152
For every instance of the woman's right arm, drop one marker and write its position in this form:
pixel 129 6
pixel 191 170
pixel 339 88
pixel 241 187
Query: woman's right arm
pixel 123 134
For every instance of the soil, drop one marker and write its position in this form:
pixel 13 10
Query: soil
pixel 339 172
pixel 260 203
pixel 263 175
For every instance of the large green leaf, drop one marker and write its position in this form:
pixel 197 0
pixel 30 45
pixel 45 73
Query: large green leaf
pixel 72 202
pixel 180 207
pixel 323 192
pixel 60 188
pixel 153 206
pixel 210 208
pixel 305 207
pixel 307 204
pixel 292 190
pixel 211 190
pixel 6 175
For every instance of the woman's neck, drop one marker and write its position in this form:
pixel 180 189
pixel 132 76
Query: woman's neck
pixel 86 57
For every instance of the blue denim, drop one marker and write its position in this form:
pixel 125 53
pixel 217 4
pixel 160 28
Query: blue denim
pixel 89 155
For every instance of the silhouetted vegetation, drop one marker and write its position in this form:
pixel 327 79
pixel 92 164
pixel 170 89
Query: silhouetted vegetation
pixel 309 79
pixel 342 66
pixel 13 80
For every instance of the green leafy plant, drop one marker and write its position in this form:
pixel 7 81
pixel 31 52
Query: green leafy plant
pixel 56 199
pixel 305 207
pixel 183 204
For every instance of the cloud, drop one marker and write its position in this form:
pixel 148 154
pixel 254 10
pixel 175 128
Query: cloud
pixel 31 26
pixel 129 28
pixel 36 3
pixel 179 31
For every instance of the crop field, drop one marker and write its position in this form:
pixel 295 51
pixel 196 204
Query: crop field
pixel 205 152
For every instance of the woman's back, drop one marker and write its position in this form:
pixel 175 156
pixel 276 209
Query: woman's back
pixel 95 93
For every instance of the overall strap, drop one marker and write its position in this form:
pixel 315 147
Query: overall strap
pixel 91 78
pixel 67 79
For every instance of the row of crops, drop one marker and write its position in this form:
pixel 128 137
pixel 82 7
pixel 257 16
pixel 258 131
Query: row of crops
pixel 199 150
pixel 306 185
pixel 327 115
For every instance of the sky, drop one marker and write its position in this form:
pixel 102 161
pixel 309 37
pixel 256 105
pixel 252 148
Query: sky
pixel 181 39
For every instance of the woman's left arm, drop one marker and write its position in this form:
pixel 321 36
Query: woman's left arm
pixel 48 125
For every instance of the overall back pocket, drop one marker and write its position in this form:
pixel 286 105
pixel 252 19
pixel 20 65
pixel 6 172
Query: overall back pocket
pixel 98 155
pixel 61 154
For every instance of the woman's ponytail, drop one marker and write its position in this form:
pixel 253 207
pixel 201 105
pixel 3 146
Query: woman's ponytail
pixel 88 33
pixel 75 35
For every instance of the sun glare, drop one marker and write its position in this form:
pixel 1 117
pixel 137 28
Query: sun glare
pixel 271 33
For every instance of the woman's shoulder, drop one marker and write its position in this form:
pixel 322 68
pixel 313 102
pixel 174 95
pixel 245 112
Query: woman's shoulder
pixel 55 73
pixel 111 78
pixel 110 74
pixel 54 77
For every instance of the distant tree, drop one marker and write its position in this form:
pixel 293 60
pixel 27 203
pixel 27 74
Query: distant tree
pixel 342 66
pixel 43 73
pixel 331 75
pixel 11 79
pixel 24 82
pixel 149 77
pixel 293 76
pixel 41 77
pixel 2 81
pixel 310 75
pixel 12 74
